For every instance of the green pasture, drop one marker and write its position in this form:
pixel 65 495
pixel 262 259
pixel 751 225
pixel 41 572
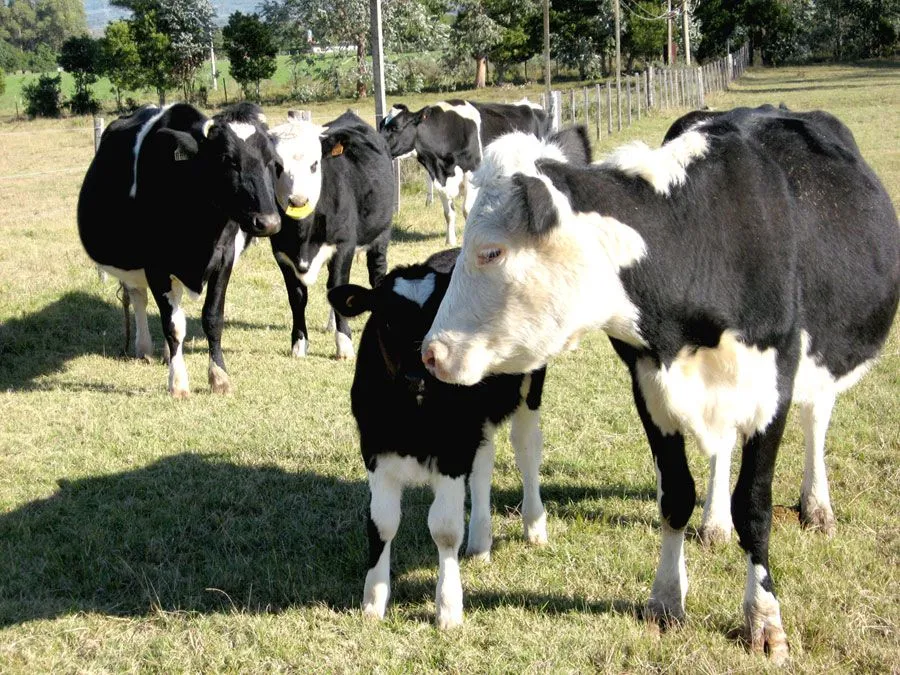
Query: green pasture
pixel 227 534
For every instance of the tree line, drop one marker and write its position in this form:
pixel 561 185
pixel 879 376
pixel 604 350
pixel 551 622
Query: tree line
pixel 431 44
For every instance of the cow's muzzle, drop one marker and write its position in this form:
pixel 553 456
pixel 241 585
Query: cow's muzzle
pixel 265 224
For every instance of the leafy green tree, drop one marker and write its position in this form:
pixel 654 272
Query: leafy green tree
pixel 645 34
pixel 474 35
pixel 43 97
pixel 250 46
pixel 80 56
pixel 521 32
pixel 26 24
pixel 582 31
pixel 2 81
pixel 154 53
pixel 120 60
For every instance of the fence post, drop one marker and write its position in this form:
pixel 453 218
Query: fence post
pixel 609 117
pixel 556 110
pixel 587 109
pixel 572 103
pixel 628 97
pixel 599 116
pixel 701 98
pixel 648 87
pixel 396 165
pixel 98 132
pixel 637 91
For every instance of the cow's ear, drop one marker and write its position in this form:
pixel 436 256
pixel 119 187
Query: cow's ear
pixel 540 214
pixel 332 145
pixel 350 300
pixel 183 145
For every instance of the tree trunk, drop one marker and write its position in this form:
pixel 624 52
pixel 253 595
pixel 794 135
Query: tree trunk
pixel 480 71
pixel 161 92
pixel 361 89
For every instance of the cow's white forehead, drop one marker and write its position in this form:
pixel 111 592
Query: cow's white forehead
pixel 417 290
pixel 242 130
pixel 298 139
pixel 511 153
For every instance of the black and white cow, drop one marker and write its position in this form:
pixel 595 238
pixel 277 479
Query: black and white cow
pixel 416 430
pixel 448 138
pixel 162 204
pixel 354 211
pixel 815 500
pixel 751 261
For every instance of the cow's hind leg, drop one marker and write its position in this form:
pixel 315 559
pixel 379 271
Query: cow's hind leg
pixel 446 523
pixel 751 509
pixel 143 342
pixel 168 292
pixel 213 323
pixel 384 520
pixel 478 544
pixel 339 274
pixel 716 525
pixel 815 500
pixel 125 299
pixel 528 443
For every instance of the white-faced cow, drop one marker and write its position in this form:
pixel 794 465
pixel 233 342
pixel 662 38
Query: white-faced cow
pixel 353 211
pixel 750 261
pixel 416 430
pixel 163 202
pixel 448 138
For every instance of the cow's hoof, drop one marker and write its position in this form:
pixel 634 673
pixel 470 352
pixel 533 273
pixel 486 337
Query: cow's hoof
pixel 663 613
pixel 448 620
pixel 819 519
pixel 372 612
pixel 180 394
pixel 536 532
pixel 714 535
pixel 219 382
pixel 344 347
pixel 300 348
pixel 478 554
pixel 771 640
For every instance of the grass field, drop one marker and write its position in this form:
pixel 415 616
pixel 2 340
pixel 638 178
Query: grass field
pixel 138 533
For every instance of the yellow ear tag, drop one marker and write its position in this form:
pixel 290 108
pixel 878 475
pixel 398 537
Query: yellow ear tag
pixel 299 212
pixel 338 149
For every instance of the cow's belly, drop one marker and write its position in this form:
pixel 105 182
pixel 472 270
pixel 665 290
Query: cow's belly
pixel 713 393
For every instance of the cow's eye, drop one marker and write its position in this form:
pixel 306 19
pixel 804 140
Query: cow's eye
pixel 314 167
pixel 489 254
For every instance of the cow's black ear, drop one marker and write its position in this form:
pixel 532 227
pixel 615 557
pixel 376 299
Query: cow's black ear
pixel 333 144
pixel 350 300
pixel 540 214
pixel 184 145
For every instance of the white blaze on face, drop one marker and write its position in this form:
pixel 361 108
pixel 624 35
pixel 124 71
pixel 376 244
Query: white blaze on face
pixel 242 130
pixel 417 290
pixel 515 299
pixel 298 144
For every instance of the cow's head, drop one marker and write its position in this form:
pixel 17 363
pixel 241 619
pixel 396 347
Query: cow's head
pixel 240 168
pixel 298 144
pixel 532 275
pixel 402 307
pixel 399 128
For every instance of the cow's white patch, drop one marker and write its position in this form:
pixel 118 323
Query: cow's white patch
pixel 671 583
pixel 143 342
pixel 300 347
pixel 178 377
pixel 417 290
pixel 323 255
pixel 343 346
pixel 716 524
pixel 448 191
pixel 139 141
pixel 712 392
pixel 664 167
pixel 515 152
pixel 762 613
pixel 813 379
pixel 446 522
pixel 478 544
pixel 533 106
pixel 131 278
pixel 386 488
pixel 242 130
pixel 392 113
pixel 240 243
pixel 465 109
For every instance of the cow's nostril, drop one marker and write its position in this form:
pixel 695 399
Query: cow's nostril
pixel 298 201
pixel 428 358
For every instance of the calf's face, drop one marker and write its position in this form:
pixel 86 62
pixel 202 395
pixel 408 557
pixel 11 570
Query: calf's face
pixel 242 173
pixel 300 184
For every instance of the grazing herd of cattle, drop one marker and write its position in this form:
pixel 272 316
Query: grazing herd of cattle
pixel 750 261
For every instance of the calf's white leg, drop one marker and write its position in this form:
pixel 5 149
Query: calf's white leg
pixel 815 500
pixel 384 520
pixel 480 538
pixel 528 442
pixel 716 527
pixel 446 523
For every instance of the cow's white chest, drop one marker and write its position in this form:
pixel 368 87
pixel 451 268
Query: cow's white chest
pixel 712 393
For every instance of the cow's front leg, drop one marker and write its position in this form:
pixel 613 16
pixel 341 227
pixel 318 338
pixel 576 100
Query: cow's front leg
pixel 528 443
pixel 448 191
pixel 168 293
pixel 478 544
pixel 298 296
pixel 376 258
pixel 676 496
pixel 469 192
pixel 446 521
pixel 815 500
pixel 339 274
pixel 213 323
pixel 384 520
pixel 716 525
pixel 751 510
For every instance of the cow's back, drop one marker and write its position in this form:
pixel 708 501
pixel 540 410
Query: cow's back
pixel 502 118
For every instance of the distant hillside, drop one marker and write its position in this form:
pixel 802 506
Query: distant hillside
pixel 100 12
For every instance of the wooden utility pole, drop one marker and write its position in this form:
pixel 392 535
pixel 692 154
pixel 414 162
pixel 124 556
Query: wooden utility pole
pixel 687 33
pixel 547 49
pixel 377 40
pixel 618 64
pixel 212 66
pixel 669 33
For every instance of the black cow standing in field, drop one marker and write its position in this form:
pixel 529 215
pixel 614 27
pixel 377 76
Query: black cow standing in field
pixel 448 138
pixel 751 261
pixel 353 212
pixel 163 202
pixel 416 430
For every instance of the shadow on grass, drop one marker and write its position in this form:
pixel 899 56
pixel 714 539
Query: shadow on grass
pixel 76 324
pixel 408 236
pixel 200 534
